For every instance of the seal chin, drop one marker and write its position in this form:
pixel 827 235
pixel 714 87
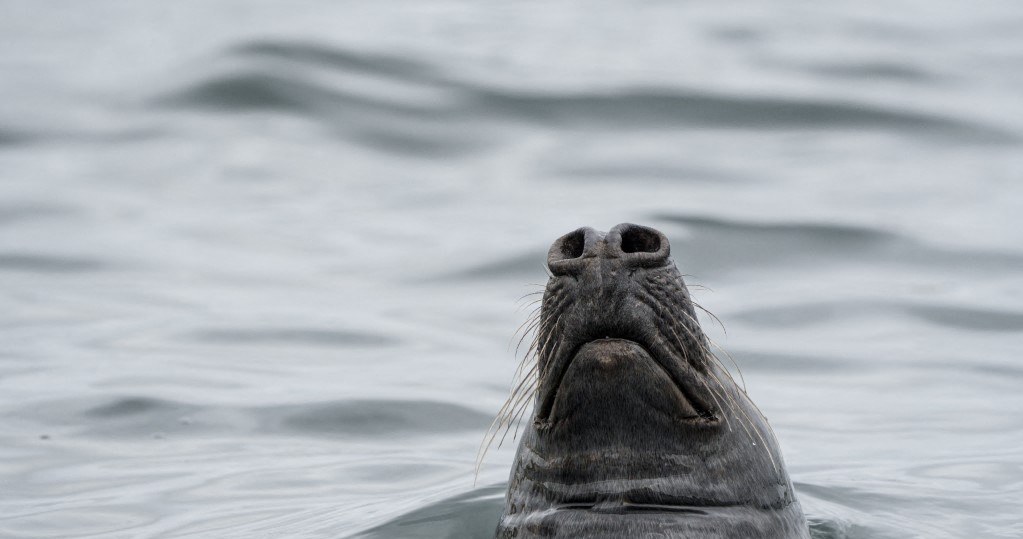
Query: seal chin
pixel 619 378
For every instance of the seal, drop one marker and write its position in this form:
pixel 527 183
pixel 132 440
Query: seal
pixel 637 429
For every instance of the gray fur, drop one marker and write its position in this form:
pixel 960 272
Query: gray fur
pixel 637 430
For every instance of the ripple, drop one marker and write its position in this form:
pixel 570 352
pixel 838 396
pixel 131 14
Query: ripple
pixel 11 137
pixel 816 232
pixel 842 512
pixel 129 406
pixel 43 263
pixel 11 213
pixel 768 362
pixel 758 243
pixel 873 71
pixel 676 108
pixel 376 417
pixel 823 528
pixel 262 88
pixel 808 314
pixel 989 476
pixel 714 245
pixel 644 171
pixel 291 336
pixel 147 417
pixel 466 516
pixel 245 91
pixel 106 521
pixel 67 133
pixel 969 318
pixel 394 124
pixel 381 64
pixel 321 83
pixel 802 315
pixel 526 265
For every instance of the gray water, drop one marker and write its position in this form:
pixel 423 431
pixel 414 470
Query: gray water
pixel 260 263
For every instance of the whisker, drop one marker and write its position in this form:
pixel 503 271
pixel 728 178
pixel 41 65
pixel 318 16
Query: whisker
pixel 728 355
pixel 763 441
pixel 712 315
pixel 502 420
pixel 713 394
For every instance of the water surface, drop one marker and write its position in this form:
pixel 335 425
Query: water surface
pixel 261 263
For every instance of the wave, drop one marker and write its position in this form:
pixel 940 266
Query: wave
pixel 403 95
pixel 872 71
pixel 10 137
pixel 752 244
pixel 291 336
pixel 46 263
pixel 17 212
pixel 312 53
pixel 807 314
pixel 463 516
pixel 142 416
pixel 523 266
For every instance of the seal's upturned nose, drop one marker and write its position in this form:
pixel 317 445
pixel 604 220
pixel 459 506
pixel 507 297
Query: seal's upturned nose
pixel 627 244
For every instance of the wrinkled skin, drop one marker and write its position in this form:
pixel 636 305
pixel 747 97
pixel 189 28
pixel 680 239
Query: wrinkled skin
pixel 637 431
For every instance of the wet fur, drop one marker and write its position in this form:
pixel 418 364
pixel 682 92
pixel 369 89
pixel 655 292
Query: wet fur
pixel 617 453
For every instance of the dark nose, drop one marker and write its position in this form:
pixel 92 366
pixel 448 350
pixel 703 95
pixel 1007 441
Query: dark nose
pixel 627 244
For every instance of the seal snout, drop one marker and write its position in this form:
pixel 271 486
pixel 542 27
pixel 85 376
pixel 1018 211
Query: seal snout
pixel 625 245
pixel 615 304
pixel 637 429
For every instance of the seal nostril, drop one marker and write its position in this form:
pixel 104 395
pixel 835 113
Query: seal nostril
pixel 569 253
pixel 573 244
pixel 640 240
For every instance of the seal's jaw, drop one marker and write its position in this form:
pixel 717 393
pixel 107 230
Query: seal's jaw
pixel 615 382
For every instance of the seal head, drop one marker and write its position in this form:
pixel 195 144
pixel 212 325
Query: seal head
pixel 637 430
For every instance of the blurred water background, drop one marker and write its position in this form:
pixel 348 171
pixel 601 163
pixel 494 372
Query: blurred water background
pixel 261 261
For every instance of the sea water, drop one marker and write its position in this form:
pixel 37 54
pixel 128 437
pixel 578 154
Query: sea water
pixel 261 263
